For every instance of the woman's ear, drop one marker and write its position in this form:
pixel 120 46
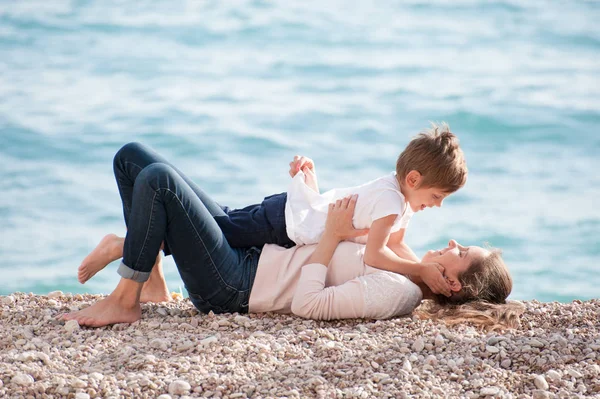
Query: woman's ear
pixel 413 179
pixel 454 285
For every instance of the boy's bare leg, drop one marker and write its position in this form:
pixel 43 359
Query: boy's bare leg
pixel 109 250
pixel 121 306
pixel 155 288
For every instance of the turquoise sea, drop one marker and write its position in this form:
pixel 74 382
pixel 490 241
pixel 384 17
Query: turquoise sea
pixel 231 91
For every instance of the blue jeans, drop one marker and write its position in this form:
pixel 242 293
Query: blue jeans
pixel 252 226
pixel 160 205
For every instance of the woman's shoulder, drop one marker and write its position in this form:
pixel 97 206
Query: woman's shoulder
pixel 389 294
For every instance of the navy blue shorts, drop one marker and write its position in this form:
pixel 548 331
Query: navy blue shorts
pixel 256 225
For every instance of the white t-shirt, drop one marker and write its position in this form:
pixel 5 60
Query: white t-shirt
pixel 306 210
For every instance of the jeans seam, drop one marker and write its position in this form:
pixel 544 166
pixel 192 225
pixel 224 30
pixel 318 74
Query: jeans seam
pixel 125 163
pixel 150 224
pixel 200 239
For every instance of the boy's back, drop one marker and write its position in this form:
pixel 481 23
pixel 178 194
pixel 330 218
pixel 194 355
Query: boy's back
pixel 306 210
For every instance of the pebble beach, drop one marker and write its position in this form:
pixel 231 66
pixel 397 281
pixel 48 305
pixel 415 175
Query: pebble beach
pixel 174 352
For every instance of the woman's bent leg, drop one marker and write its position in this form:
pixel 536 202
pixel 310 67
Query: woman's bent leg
pixel 255 225
pixel 131 159
pixel 164 207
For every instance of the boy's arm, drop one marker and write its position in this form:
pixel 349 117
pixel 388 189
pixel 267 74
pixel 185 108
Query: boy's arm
pixel 378 255
pixel 397 244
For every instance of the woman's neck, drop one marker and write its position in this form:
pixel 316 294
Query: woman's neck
pixel 427 294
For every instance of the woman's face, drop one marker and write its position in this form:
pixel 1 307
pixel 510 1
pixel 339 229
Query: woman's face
pixel 455 259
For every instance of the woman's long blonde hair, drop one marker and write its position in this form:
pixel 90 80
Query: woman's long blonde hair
pixel 482 299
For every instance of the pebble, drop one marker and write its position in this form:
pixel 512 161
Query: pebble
pixel 164 396
pixel 82 395
pixel 492 349
pixel 553 375
pixel 179 387
pixel 72 326
pixel 55 294
pixel 439 341
pixel 541 383
pixel 209 340
pixel 8 300
pixel 273 355
pixel 574 373
pixel 489 391
pixel 418 345
pixel 23 379
pixel 540 394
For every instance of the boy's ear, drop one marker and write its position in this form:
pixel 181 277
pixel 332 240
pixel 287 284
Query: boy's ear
pixel 413 179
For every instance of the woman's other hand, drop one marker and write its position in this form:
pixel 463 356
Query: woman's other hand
pixel 339 219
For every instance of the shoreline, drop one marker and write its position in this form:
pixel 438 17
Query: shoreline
pixel 175 351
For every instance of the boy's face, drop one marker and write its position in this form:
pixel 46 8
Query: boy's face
pixel 419 197
pixel 425 197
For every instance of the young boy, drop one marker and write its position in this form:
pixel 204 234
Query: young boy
pixel 430 168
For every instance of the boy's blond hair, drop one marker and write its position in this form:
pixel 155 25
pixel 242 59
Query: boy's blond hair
pixel 436 155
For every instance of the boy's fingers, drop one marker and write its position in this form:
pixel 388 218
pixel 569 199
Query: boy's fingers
pixel 361 232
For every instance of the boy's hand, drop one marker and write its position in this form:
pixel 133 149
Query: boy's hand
pixel 431 274
pixel 300 163
pixel 339 219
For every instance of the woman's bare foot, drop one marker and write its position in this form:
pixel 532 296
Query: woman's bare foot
pixel 121 306
pixel 109 250
pixel 155 289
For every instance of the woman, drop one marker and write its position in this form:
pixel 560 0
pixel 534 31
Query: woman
pixel 162 206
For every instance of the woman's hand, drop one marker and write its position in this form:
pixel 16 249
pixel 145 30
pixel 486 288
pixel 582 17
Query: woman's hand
pixel 339 220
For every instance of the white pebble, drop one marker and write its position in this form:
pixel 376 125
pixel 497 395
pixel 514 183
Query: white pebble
pixel 489 391
pixel 492 349
pixel 574 373
pixel 539 394
pixel 540 382
pixel 209 340
pixel 8 300
pixel 439 341
pixel 55 294
pixel 406 366
pixel 82 395
pixel 242 320
pixel 506 363
pixel 72 326
pixel 96 376
pixel 431 360
pixel 553 375
pixel 23 379
pixel 418 345
pixel 179 387
pixel 164 396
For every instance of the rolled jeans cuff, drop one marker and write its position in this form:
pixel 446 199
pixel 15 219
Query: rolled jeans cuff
pixel 128 273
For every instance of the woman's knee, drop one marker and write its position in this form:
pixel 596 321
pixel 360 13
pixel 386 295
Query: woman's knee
pixel 126 152
pixel 157 174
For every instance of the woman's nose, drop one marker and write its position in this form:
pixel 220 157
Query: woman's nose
pixel 452 244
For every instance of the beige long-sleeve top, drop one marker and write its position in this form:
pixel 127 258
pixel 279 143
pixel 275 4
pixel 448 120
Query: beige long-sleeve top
pixel 347 288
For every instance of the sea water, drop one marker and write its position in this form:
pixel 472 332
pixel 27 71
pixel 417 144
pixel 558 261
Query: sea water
pixel 231 91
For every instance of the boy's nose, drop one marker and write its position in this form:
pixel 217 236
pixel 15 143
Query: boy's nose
pixel 452 244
